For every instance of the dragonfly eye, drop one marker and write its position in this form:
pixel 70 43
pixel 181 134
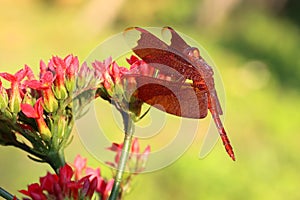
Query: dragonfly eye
pixel 196 53
pixel 193 52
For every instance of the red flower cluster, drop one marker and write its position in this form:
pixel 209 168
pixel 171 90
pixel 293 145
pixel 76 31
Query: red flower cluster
pixel 37 98
pixel 110 72
pixel 70 184
pixel 61 186
pixel 43 109
pixel 103 186
pixel 136 161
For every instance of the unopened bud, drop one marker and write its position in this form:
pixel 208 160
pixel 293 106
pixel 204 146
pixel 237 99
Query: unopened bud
pixel 15 99
pixel 70 84
pixel 60 92
pixel 50 102
pixel 43 129
pixel 3 98
pixel 61 127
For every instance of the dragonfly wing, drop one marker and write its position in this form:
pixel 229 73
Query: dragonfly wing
pixel 177 42
pixel 177 99
pixel 157 53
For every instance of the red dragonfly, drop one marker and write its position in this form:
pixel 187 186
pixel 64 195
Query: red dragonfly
pixel 187 88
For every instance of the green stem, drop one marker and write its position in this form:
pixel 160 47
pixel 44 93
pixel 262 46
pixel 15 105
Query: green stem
pixel 5 194
pixel 129 130
pixel 56 160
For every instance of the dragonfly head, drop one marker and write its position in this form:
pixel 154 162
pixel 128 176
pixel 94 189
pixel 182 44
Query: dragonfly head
pixel 192 53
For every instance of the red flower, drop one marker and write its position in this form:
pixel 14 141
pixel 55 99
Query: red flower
pixel 15 95
pixel 102 70
pixel 106 189
pixel 72 65
pixel 140 67
pixel 89 186
pixel 136 161
pixel 79 166
pixel 96 174
pixel 65 174
pixel 35 192
pixel 84 76
pixel 17 77
pixel 110 72
pixel 45 84
pixel 118 149
pixel 48 182
pixel 103 187
pixel 58 66
pixel 135 146
pixel 36 112
pixel 133 59
pixel 29 74
pixel 61 186
pixel 43 68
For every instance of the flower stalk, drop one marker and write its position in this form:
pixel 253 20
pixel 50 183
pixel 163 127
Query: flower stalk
pixel 129 130
pixel 5 194
pixel 56 160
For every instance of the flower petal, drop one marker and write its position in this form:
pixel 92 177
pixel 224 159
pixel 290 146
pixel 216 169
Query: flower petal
pixel 8 76
pixel 29 111
pixel 79 165
pixel 135 146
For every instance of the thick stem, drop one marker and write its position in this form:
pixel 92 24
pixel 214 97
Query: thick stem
pixel 5 194
pixel 129 130
pixel 56 160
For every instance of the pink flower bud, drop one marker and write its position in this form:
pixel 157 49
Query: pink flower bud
pixel 43 68
pixel 59 84
pixel 115 73
pixel 135 146
pixel 15 96
pixel 61 127
pixel 72 66
pixel 29 74
pixel 59 67
pixel 79 165
pixel 83 76
pixel 3 97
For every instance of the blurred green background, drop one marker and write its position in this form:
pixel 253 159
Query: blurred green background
pixel 255 45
